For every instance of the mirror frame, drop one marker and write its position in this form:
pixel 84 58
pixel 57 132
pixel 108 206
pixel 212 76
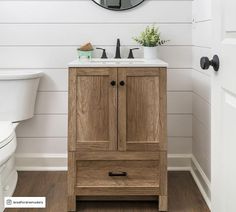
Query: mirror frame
pixel 114 9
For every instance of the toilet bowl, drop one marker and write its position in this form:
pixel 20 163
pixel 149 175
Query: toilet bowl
pixel 18 90
pixel 8 174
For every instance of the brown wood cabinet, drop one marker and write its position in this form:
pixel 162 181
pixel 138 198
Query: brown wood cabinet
pixel 117 134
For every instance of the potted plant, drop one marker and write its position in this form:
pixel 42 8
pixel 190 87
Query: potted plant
pixel 150 39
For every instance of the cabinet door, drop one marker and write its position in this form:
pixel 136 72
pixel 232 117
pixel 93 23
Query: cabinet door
pixel 141 109
pixel 93 109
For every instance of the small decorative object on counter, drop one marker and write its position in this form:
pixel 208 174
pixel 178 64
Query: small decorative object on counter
pixel 150 39
pixel 85 51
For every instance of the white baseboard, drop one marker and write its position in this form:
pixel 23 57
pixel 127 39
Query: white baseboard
pixel 179 162
pixel 58 162
pixel 41 162
pixel 201 180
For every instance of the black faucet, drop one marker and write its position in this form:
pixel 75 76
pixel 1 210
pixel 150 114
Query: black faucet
pixel 117 56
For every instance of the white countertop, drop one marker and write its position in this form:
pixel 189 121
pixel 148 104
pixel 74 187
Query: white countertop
pixel 138 62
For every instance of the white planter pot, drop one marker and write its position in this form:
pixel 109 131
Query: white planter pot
pixel 150 53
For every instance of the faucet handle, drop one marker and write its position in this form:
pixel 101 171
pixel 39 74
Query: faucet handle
pixel 104 54
pixel 131 56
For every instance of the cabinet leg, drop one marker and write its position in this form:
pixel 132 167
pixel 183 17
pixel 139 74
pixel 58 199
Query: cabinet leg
pixel 71 203
pixel 163 203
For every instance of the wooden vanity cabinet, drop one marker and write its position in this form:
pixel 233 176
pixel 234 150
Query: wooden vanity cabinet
pixel 117 134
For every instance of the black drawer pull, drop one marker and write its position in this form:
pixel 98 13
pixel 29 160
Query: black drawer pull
pixel 117 174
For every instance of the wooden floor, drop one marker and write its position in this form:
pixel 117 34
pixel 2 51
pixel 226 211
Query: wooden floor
pixel 184 195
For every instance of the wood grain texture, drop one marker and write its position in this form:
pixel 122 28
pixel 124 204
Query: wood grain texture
pixel 96 108
pixel 139 146
pixel 114 191
pixel 163 109
pixel 72 110
pixel 163 203
pixel 184 195
pixel 139 111
pixel 122 124
pixel 71 197
pixel 139 174
pixel 163 197
pixel 71 180
pixel 142 98
pixel 120 129
pixel 92 108
pixel 117 155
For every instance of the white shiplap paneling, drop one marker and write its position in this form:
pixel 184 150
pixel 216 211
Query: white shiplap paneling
pixel 202 110
pixel 202 146
pixel 52 103
pixel 57 79
pixel 202 85
pixel 179 79
pixel 60 56
pixel 88 12
pixel 179 102
pixel 44 126
pixel 202 44
pixel 77 34
pixel 179 145
pixel 42 145
pixel 43 35
pixel 54 80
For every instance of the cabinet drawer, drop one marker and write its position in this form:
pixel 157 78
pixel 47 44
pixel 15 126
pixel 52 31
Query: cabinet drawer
pixel 117 173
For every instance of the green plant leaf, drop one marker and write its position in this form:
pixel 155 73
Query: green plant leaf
pixel 150 37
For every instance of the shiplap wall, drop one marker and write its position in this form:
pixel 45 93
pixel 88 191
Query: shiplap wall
pixel 43 35
pixel 202 46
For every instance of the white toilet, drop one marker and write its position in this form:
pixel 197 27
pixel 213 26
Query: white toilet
pixel 18 90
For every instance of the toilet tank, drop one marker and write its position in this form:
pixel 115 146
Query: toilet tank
pixel 18 91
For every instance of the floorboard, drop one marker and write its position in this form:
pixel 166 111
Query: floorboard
pixel 184 195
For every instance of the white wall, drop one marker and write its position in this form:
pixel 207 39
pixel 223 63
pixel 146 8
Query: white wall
pixel 202 46
pixel 44 35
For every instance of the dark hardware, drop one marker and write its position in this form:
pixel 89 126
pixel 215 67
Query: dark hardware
pixel 131 56
pixel 113 83
pixel 122 83
pixel 124 5
pixel 206 63
pixel 114 4
pixel 104 54
pixel 117 174
pixel 117 56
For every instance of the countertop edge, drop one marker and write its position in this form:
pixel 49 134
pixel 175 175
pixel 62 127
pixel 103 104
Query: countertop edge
pixel 87 64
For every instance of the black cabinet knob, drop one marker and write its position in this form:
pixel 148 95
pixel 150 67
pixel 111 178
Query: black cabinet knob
pixel 113 83
pixel 122 83
pixel 206 63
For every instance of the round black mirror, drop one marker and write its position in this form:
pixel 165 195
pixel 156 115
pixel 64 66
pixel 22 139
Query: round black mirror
pixel 118 5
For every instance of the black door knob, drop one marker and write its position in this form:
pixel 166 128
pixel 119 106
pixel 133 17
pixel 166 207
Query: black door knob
pixel 206 63
pixel 122 83
pixel 113 83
